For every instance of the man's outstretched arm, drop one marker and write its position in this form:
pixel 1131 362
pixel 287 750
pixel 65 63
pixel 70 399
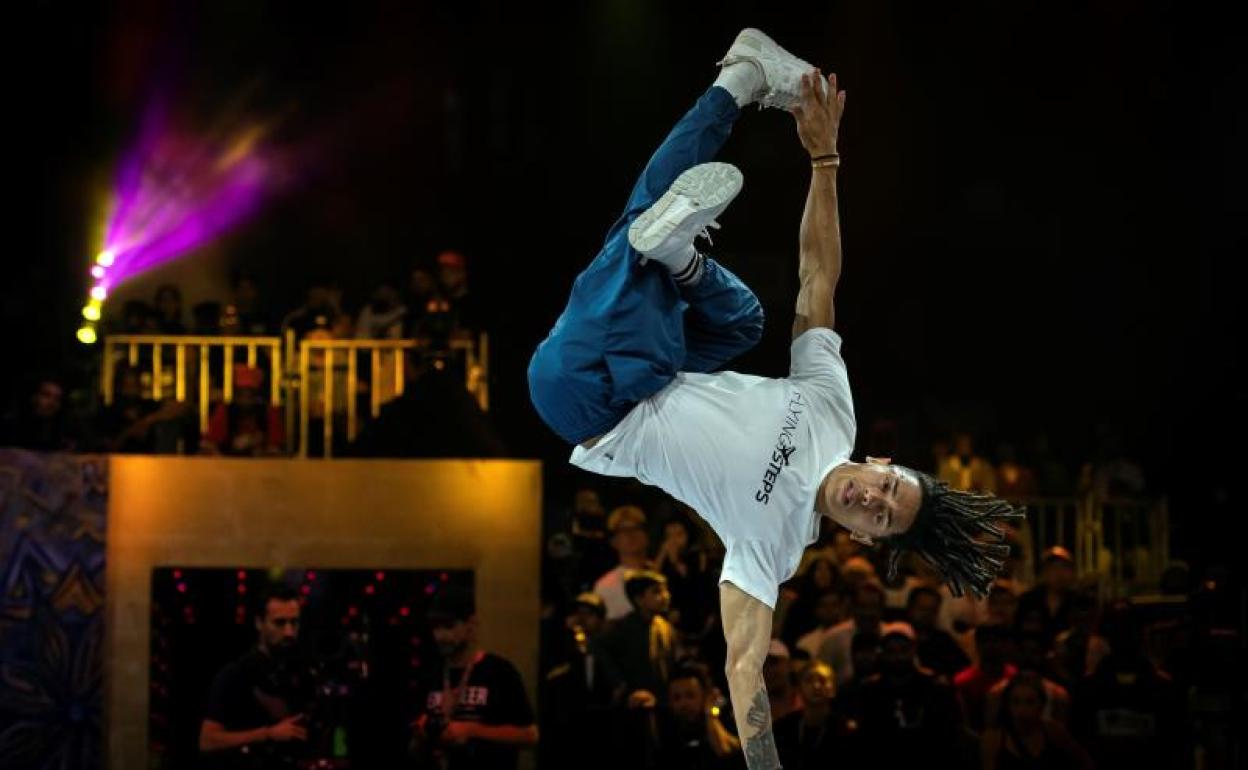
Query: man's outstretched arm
pixel 747 629
pixel 818 118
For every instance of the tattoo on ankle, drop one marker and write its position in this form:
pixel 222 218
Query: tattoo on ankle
pixel 760 749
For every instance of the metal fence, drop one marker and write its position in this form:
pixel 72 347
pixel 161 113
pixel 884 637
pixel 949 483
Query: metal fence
pixel 302 379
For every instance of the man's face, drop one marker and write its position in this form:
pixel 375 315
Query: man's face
pixel 676 533
pixel 1057 575
pixel 924 610
pixel 589 620
pixel 1025 705
pixel 47 399
pixel 866 658
pixel 630 540
pixel 452 636
pixel 818 686
pixel 655 599
pixel 897 655
pixel 453 277
pixel 873 500
pixel 828 609
pixel 422 282
pixel 1001 607
pixel 279 628
pixel 868 608
pixel 686 700
pixel 587 501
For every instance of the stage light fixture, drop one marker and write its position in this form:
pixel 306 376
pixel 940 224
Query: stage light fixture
pixel 86 335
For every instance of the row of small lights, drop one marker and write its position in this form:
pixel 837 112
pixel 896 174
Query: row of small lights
pixel 91 311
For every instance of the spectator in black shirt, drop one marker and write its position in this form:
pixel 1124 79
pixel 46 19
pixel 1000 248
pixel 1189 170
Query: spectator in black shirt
pixel 42 422
pixel 819 735
pixel 169 309
pixel 909 714
pixel 684 564
pixel 1129 713
pixel 580 694
pixel 1052 598
pixel 255 714
pixel 865 652
pixel 466 311
pixel 477 715
pixel 691 737
pixel 937 648
pixel 133 424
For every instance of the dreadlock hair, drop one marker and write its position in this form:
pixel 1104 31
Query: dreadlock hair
pixel 959 534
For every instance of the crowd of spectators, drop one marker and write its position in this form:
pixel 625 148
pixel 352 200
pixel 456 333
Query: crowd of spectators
pixel 1041 673
pixel 435 307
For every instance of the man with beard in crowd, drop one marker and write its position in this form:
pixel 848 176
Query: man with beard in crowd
pixel 256 708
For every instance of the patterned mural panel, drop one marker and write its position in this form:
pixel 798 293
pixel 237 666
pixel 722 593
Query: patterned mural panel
pixel 52 525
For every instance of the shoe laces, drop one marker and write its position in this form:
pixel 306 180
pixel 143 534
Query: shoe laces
pixel 706 232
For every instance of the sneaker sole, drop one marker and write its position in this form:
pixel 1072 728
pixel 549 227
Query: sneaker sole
pixel 753 45
pixel 708 188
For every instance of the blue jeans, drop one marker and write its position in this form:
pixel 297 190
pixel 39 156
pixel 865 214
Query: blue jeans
pixel 628 329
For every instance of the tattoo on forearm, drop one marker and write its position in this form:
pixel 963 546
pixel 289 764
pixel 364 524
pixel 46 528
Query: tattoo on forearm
pixel 760 748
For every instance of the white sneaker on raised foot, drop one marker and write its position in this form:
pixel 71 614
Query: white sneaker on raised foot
pixel 665 231
pixel 781 70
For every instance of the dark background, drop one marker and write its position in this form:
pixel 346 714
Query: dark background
pixel 1042 202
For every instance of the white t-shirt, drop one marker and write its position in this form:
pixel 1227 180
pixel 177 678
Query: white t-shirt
pixel 747 453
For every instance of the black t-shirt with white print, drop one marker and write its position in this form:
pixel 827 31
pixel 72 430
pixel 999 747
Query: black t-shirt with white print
pixel 493 695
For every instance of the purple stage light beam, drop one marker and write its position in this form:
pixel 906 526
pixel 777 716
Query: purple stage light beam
pixel 176 191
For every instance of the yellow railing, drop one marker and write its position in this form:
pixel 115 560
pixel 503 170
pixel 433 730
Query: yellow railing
pixel 130 346
pixel 327 366
pixel 300 386
pixel 1116 542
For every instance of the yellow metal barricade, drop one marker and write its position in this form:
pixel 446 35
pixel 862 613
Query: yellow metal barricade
pixel 330 384
pixel 1120 544
pixel 191 360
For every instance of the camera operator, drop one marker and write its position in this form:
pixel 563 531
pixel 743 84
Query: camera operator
pixel 477 715
pixel 255 714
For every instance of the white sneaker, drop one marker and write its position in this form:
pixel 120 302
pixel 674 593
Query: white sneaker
pixel 781 70
pixel 685 211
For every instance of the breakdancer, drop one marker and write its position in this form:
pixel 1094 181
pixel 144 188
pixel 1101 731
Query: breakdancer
pixel 629 375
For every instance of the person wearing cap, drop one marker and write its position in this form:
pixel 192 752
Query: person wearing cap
pixel 579 692
pixel 909 714
pixel 465 310
pixel 1052 597
pixel 627 528
pixel 249 425
pixel 476 712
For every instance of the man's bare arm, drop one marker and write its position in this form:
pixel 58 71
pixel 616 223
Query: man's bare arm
pixel 818 118
pixel 747 629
